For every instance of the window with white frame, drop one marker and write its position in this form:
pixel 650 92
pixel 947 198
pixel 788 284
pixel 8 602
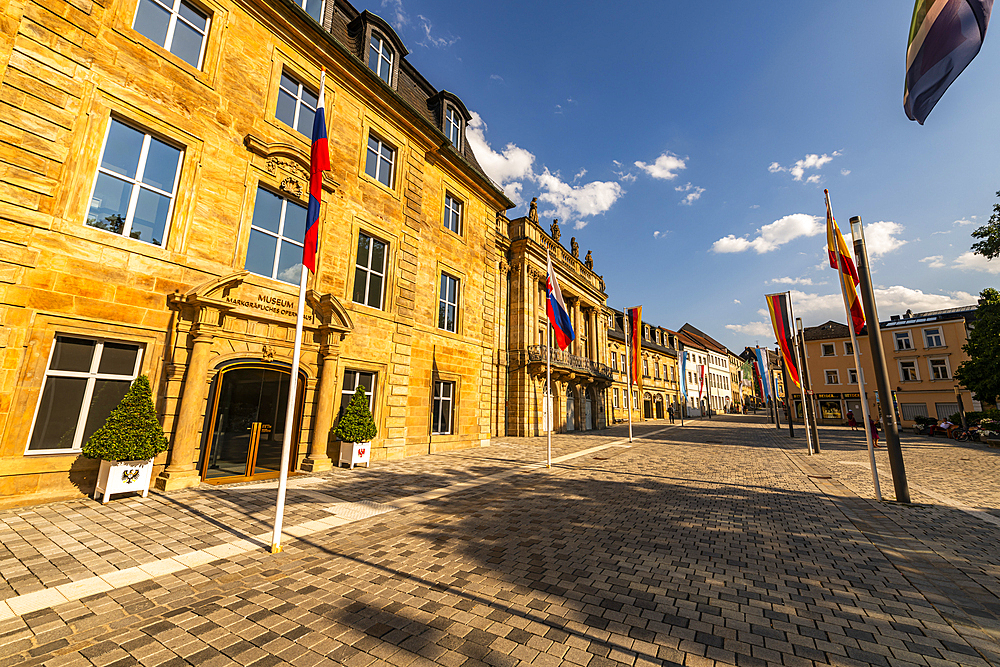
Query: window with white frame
pixel 85 380
pixel 448 303
pixel 939 369
pixel 635 397
pixel 645 333
pixel 833 377
pixel 453 126
pixel 380 56
pixel 624 362
pixel 645 368
pixel 932 338
pixel 314 8
pixel 277 235
pixel 852 375
pixel 614 361
pixel 903 342
pixel 615 394
pixel 444 400
pixel 656 370
pixel 369 271
pixel 908 371
pixel 177 25
pixel 380 161
pixel 453 213
pixel 848 348
pixel 828 350
pixel 136 184
pixel 296 106
pixel 354 379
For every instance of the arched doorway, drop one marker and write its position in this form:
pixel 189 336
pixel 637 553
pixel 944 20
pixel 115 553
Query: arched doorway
pixel 248 423
pixel 659 407
pixel 647 406
pixel 570 409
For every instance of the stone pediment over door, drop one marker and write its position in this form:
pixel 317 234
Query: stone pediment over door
pixel 249 296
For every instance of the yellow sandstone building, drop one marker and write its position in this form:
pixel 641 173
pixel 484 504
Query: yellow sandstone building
pixel 153 182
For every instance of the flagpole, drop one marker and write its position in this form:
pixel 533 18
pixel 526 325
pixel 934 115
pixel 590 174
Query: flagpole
pixel 802 383
pixel 628 374
pixel 857 360
pixel 286 441
pixel 548 370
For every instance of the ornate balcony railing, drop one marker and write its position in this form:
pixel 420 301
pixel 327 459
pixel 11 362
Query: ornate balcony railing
pixel 560 359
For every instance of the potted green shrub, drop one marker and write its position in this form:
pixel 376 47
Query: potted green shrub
pixel 127 443
pixel 355 431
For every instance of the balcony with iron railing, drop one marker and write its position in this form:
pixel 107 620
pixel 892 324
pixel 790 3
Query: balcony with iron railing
pixel 565 361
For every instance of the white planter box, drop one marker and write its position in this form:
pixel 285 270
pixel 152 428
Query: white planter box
pixel 123 477
pixel 354 453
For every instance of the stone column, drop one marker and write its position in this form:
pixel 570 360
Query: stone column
pixel 531 295
pixel 318 459
pixel 181 471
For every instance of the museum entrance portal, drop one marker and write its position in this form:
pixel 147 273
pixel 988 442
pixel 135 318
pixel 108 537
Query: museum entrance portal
pixel 248 424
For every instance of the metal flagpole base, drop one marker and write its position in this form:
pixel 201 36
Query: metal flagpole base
pixel 277 548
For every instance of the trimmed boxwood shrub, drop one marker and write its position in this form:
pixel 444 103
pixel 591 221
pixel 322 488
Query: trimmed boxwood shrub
pixel 357 424
pixel 132 431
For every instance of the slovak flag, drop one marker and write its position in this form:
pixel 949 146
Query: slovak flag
pixel 318 163
pixel 556 308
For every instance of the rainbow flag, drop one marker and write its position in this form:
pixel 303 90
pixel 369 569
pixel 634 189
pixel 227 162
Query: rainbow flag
pixel 318 163
pixel 945 35
pixel 835 245
pixel 777 304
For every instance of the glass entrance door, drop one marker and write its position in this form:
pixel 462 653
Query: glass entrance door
pixel 248 424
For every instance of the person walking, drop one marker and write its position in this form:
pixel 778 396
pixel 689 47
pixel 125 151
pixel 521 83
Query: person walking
pixel 874 429
pixel 851 421
pixel 670 411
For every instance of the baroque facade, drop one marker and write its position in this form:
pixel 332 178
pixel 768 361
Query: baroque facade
pixel 153 184
pixel 659 372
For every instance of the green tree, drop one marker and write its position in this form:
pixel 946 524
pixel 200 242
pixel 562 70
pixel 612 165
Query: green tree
pixel 979 374
pixel 989 247
pixel 132 431
pixel 357 424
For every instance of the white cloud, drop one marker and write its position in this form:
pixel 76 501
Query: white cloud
pixel 790 281
pixel 963 222
pixel 429 39
pixel 509 168
pixel 664 167
pixel 880 238
pixel 816 308
pixel 845 172
pixel 755 206
pixel 573 202
pixel 496 77
pixel 694 193
pixel 580 174
pixel 737 301
pixel 772 235
pixel 810 161
pixel 398 16
pixel 970 261
pixel 934 261
pixel 752 329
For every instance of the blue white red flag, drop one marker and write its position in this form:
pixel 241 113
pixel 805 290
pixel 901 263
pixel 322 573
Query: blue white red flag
pixel 762 369
pixel 945 35
pixel 556 309
pixel 318 163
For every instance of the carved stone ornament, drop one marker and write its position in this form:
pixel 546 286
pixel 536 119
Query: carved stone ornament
pixel 292 186
pixel 556 234
pixel 589 261
pixel 267 353
pixel 533 210
pixel 574 247
pixel 273 163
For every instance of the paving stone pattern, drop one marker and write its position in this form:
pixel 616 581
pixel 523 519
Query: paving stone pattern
pixel 719 543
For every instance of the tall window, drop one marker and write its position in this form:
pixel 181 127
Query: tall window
pixel 380 56
pixel 135 186
pixel 656 370
pixel 353 380
pixel 645 368
pixel 908 371
pixel 454 126
pixel 176 25
pixel 277 235
pixel 848 348
pixel 932 338
pixel 85 380
pixel 453 213
pixel 313 7
pixel 296 105
pixel 615 403
pixel 369 271
pixel 614 361
pixel 448 303
pixel 444 398
pixel 380 162
pixel 939 369
pixel 903 341
pixel 852 376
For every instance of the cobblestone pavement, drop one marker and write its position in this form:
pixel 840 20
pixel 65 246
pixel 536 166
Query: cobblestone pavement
pixel 717 543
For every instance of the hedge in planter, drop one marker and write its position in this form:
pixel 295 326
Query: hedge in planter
pixel 357 424
pixel 132 432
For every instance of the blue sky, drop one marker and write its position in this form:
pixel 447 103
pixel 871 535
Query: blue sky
pixel 688 145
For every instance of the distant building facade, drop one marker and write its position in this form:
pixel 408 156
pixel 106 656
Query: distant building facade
pixel 658 369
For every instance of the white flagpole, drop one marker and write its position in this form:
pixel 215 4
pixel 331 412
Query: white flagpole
pixel 857 362
pixel 286 441
pixel 802 384
pixel 628 374
pixel 548 364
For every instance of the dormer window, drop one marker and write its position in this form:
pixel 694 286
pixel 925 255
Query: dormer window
pixel 453 126
pixel 380 56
